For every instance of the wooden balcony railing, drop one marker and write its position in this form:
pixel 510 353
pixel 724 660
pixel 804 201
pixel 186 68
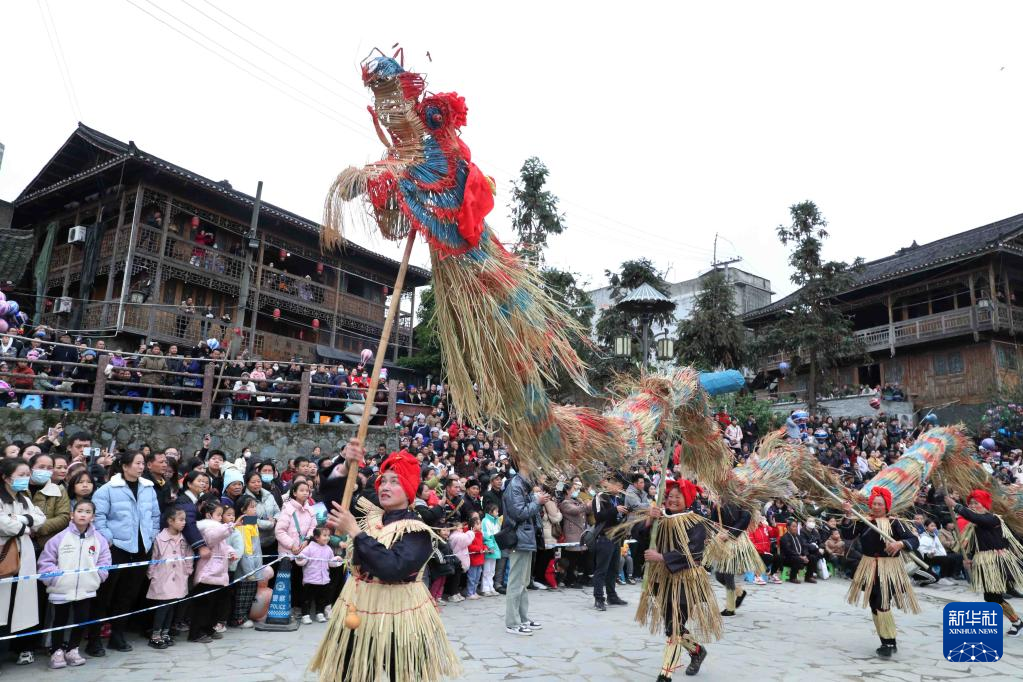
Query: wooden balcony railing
pixel 929 328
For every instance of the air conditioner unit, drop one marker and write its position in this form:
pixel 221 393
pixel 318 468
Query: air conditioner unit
pixel 64 304
pixel 76 234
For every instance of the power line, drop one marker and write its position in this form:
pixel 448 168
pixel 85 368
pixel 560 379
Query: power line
pixel 58 56
pixel 315 105
pixel 268 53
pixel 286 50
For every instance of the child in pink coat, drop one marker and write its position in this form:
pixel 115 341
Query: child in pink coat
pixel 316 560
pixel 210 573
pixel 168 581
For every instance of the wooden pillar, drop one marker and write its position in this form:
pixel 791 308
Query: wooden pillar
pixel 303 398
pixel 209 378
pixel 337 305
pixel 67 267
pixel 891 328
pixel 114 252
pixel 100 387
pixel 255 300
pixel 412 321
pixel 973 309
pixel 392 403
pixel 158 275
pixel 993 286
pixel 930 304
pixel 1008 301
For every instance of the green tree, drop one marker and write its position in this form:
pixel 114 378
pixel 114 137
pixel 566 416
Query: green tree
pixel 564 288
pixel 713 337
pixel 814 330
pixel 534 211
pixel 427 358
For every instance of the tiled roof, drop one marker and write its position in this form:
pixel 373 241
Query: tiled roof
pixel 122 151
pixel 917 258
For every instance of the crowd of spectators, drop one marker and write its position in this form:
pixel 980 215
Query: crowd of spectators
pixel 168 380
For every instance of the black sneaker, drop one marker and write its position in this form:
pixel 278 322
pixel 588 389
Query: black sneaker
pixel 1016 629
pixel 739 599
pixel 885 650
pixel 728 612
pixel 118 643
pixel 158 643
pixel 500 589
pixel 95 649
pixel 697 661
pixel 201 639
pixel 168 640
pixel 617 601
pixel 599 605
pixel 532 625
pixel 630 581
pixel 532 586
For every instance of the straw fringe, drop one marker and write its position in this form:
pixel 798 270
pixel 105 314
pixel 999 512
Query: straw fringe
pixel 887 574
pixel 665 589
pixel 398 618
pixel 733 556
pixel 994 569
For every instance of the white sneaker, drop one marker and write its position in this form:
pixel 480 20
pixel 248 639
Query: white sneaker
pixel 26 658
pixel 248 624
pixel 520 630
pixel 327 611
pixel 455 598
pixel 220 627
pixel 306 620
pixel 320 618
pixel 540 586
pixel 57 660
pixel 473 597
pixel 947 582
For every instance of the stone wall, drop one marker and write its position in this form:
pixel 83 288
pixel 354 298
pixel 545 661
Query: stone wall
pixel 274 440
pixel 854 407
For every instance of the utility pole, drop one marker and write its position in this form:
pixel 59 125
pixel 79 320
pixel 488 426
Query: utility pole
pixel 243 288
pixel 724 263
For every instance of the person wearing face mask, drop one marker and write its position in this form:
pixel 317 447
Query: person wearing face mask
pixel 267 509
pixel 48 497
pixel 573 522
pixel 18 515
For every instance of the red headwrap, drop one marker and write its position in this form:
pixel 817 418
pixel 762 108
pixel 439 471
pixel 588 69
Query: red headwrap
pixel 688 489
pixel 982 496
pixel 884 494
pixel 407 468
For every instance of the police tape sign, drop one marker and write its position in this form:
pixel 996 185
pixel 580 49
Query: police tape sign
pixel 972 632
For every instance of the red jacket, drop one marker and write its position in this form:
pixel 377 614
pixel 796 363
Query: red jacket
pixel 761 538
pixel 476 549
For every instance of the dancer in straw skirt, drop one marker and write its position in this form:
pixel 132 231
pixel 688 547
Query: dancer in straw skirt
pixel 993 555
pixel 880 579
pixel 384 625
pixel 676 587
pixel 731 552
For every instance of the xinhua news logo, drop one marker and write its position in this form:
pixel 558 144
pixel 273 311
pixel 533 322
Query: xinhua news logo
pixel 972 632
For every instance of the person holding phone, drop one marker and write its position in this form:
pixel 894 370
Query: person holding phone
pixel 244 540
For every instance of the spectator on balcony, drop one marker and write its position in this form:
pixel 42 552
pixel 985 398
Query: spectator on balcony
pixel 320 388
pixel 35 345
pixel 9 346
pixel 242 393
pixel 151 369
pixel 23 377
pixel 84 375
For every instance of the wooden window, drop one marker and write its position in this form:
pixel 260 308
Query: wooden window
pixel 948 363
pixel 893 372
pixel 1007 357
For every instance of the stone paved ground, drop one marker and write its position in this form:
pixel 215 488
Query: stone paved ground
pixel 783 632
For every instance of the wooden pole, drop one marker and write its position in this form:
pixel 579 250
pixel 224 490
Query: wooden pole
pixel 378 364
pixel 919 562
pixel 660 503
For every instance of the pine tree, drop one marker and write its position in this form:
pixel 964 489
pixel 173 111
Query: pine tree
pixel 814 330
pixel 535 215
pixel 713 337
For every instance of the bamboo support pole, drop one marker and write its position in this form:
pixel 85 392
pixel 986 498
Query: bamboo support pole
pixel 378 363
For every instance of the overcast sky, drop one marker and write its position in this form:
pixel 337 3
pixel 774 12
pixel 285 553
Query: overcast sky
pixel 661 123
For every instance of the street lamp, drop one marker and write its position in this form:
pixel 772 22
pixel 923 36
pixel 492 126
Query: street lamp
pixel 665 347
pixel 644 303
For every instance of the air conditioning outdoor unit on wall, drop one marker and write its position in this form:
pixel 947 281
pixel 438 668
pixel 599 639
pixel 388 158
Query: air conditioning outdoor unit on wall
pixel 64 304
pixel 76 234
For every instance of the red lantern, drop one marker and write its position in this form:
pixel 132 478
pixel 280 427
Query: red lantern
pixel 277 313
pixel 319 268
pixel 238 331
pixel 283 254
pixel 386 290
pixel 195 221
pixel 316 323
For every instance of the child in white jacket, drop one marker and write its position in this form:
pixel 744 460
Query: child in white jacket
pixel 77 548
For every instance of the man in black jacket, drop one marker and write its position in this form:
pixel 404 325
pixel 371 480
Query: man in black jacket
pixel 493 494
pixel 794 554
pixel 609 510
